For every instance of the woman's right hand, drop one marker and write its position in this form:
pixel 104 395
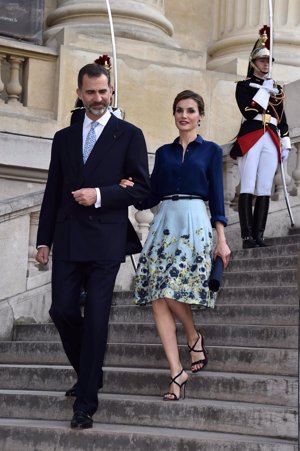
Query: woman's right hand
pixel 222 249
pixel 126 182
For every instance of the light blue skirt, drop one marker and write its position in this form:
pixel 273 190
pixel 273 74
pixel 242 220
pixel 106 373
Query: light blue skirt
pixel 176 259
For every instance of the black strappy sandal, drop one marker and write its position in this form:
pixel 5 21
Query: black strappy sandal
pixel 205 352
pixel 181 386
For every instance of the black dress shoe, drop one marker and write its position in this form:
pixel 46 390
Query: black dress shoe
pixel 261 243
pixel 249 243
pixel 71 391
pixel 81 420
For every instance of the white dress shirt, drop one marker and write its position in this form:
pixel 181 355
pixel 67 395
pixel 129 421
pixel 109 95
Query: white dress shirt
pixel 102 121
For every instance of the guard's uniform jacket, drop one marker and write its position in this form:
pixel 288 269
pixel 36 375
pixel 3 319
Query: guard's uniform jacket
pixel 262 112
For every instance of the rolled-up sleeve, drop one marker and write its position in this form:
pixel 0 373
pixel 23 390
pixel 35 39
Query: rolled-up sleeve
pixel 216 192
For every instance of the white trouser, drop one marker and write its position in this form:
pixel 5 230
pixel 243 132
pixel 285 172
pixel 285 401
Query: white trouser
pixel 257 168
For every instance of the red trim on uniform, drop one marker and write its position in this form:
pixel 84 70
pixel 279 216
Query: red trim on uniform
pixel 247 141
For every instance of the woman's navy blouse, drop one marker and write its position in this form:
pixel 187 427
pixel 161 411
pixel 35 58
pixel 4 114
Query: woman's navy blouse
pixel 199 173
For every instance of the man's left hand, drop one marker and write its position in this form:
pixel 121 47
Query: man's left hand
pixel 85 196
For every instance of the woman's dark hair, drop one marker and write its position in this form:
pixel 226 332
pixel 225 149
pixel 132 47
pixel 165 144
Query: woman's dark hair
pixel 92 70
pixel 187 94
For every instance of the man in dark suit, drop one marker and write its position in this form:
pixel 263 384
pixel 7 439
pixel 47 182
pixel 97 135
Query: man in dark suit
pixel 84 215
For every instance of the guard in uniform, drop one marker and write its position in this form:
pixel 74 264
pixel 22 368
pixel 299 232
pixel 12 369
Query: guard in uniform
pixel 263 140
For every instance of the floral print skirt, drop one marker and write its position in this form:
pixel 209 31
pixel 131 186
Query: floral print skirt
pixel 176 259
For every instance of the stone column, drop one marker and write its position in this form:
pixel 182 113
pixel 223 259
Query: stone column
pixel 237 22
pixel 142 20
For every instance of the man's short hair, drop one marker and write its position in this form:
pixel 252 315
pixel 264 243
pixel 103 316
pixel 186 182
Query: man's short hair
pixel 92 70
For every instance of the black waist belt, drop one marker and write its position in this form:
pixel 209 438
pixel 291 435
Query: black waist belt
pixel 177 197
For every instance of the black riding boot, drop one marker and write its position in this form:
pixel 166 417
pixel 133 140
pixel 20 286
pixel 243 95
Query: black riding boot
pixel 261 210
pixel 246 220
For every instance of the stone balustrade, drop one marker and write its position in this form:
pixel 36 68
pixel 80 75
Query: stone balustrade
pixel 26 69
pixel 24 289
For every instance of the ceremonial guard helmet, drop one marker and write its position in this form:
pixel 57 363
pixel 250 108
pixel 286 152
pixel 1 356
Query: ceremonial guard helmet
pixel 260 50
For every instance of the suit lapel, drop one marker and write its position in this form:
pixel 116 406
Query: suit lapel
pixel 75 149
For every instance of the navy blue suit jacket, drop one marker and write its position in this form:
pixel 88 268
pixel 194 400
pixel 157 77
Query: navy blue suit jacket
pixel 80 233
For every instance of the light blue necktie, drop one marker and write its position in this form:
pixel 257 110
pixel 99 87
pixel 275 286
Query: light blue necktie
pixel 89 142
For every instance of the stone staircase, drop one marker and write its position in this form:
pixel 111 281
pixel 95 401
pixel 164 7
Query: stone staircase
pixel 246 399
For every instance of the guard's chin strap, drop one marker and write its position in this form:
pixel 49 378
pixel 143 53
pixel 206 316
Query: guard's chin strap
pixel 258 70
pixel 265 74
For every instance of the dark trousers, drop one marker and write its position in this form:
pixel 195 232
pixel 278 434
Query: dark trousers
pixel 84 338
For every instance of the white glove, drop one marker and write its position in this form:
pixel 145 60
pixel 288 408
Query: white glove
pixel 268 85
pixel 285 154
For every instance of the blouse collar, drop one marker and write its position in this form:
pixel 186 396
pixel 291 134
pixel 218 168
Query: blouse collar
pixel 198 140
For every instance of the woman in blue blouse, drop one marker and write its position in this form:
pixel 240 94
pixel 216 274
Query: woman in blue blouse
pixel 175 263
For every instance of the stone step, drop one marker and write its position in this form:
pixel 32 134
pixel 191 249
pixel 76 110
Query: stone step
pixel 215 334
pixel 292 247
pixel 262 263
pixel 262 389
pixel 283 240
pixel 227 335
pixel 285 295
pixel 42 435
pixel 281 295
pixel 198 415
pixel 263 278
pixel 251 360
pixel 243 360
pixel 294 230
pixel 222 314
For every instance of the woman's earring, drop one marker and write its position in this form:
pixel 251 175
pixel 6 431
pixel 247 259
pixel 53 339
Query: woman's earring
pixel 199 123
